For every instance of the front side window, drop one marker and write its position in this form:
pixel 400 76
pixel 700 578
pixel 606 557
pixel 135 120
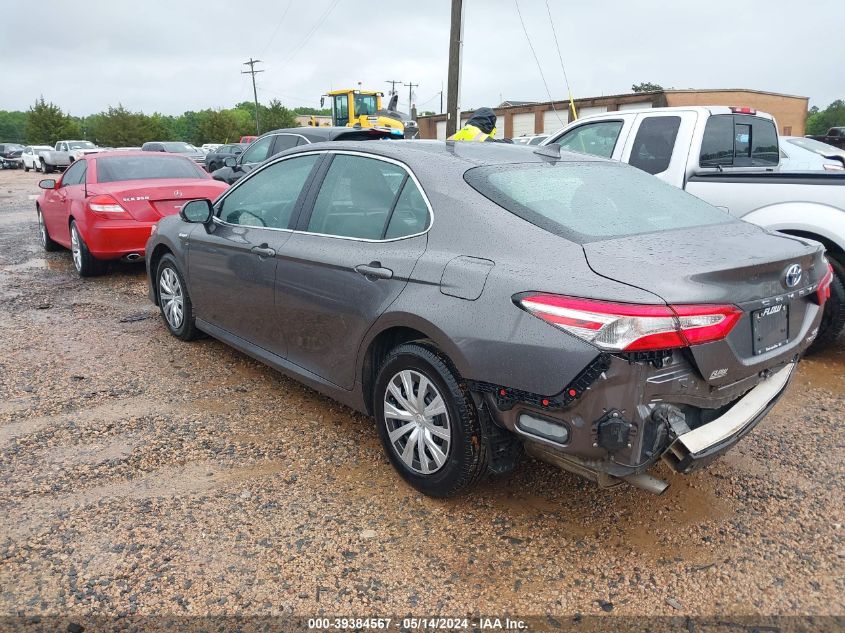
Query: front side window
pixel 597 139
pixel 357 197
pixel 587 202
pixel 75 174
pixel 653 145
pixel 258 150
pixel 268 199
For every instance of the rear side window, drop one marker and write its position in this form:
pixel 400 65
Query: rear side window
pixel 653 145
pixel 597 139
pixel 283 142
pixel 360 197
pixel 739 141
pixel 152 167
pixel 586 202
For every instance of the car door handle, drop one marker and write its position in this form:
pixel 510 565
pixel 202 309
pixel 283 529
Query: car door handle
pixel 374 270
pixel 263 251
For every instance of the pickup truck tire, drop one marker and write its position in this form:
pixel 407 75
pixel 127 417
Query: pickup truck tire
pixel 47 169
pixel 833 319
pixel 85 263
pixel 453 419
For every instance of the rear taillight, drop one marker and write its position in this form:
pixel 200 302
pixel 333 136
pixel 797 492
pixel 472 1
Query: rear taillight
pixel 107 206
pixel 823 291
pixel 630 327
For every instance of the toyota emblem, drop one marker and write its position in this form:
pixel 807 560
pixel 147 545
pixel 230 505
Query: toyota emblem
pixel 792 277
pixel 178 194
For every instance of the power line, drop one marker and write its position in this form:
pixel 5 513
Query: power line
pixel 392 83
pixel 278 26
pixel 251 63
pixel 320 22
pixel 537 60
pixel 562 67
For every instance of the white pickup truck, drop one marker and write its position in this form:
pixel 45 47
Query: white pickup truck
pixel 729 157
pixel 64 154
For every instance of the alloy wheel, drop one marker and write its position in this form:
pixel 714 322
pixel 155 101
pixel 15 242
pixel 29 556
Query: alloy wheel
pixel 76 247
pixel 417 422
pixel 170 296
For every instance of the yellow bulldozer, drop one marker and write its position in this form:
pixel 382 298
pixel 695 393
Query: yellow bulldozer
pixel 363 109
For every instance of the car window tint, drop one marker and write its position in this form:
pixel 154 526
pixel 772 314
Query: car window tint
pixel 75 174
pixel 258 151
pixel 764 142
pixel 717 145
pixel 283 142
pixel 586 202
pixel 410 215
pixel 356 197
pixel 153 166
pixel 268 198
pixel 653 145
pixel 597 139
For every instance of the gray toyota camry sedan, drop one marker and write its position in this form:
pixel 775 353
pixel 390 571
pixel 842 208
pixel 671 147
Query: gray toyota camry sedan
pixel 480 300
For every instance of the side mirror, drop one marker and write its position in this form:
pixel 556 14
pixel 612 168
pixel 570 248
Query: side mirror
pixel 322 102
pixel 197 211
pixel 230 161
pixel 48 183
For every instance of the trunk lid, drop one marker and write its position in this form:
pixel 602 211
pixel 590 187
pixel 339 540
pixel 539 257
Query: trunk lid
pixel 739 264
pixel 150 202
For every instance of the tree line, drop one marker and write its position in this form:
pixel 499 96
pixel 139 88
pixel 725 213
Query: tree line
pixel 820 121
pixel 44 123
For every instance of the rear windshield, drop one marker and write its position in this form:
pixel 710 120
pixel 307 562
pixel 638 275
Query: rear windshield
pixel 115 168
pixel 179 148
pixel 592 201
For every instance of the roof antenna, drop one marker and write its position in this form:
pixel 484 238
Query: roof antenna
pixel 552 150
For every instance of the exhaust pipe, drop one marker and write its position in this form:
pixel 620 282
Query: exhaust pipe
pixel 647 482
pixel 132 257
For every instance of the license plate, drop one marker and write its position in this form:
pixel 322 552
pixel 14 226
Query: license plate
pixel 770 328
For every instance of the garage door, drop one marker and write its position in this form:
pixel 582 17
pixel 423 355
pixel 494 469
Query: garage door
pixel 441 130
pixel 582 112
pixel 553 121
pixel 523 124
pixel 640 105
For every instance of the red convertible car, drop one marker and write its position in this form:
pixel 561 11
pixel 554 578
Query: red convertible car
pixel 104 205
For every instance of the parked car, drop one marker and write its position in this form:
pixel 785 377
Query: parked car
pixel 10 155
pixel 214 159
pixel 176 147
pixel 210 147
pixel 30 156
pixel 530 140
pixel 811 145
pixel 104 206
pixel 475 296
pixel 796 158
pixel 277 141
pixel 246 140
pixel 65 153
pixel 835 136
pixel 728 157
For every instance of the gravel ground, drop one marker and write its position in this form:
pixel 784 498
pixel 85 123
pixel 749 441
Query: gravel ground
pixel 142 475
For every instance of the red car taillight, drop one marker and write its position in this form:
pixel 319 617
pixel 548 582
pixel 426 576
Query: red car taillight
pixel 823 291
pixel 107 207
pixel 630 327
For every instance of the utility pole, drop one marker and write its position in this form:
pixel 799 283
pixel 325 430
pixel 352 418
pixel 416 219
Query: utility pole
pixel 456 37
pixel 410 88
pixel 440 111
pixel 393 83
pixel 251 63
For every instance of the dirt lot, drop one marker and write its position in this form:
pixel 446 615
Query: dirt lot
pixel 143 475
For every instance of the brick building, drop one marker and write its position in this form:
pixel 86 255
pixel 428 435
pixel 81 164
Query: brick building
pixel 542 118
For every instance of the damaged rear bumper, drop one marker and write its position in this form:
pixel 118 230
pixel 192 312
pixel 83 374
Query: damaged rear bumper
pixel 700 446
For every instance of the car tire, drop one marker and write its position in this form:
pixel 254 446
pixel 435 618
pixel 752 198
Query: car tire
pixel 85 263
pixel 47 242
pixel 174 300
pixel 453 455
pixel 26 167
pixel 833 319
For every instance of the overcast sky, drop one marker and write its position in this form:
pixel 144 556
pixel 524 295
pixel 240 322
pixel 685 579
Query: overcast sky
pixel 175 55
